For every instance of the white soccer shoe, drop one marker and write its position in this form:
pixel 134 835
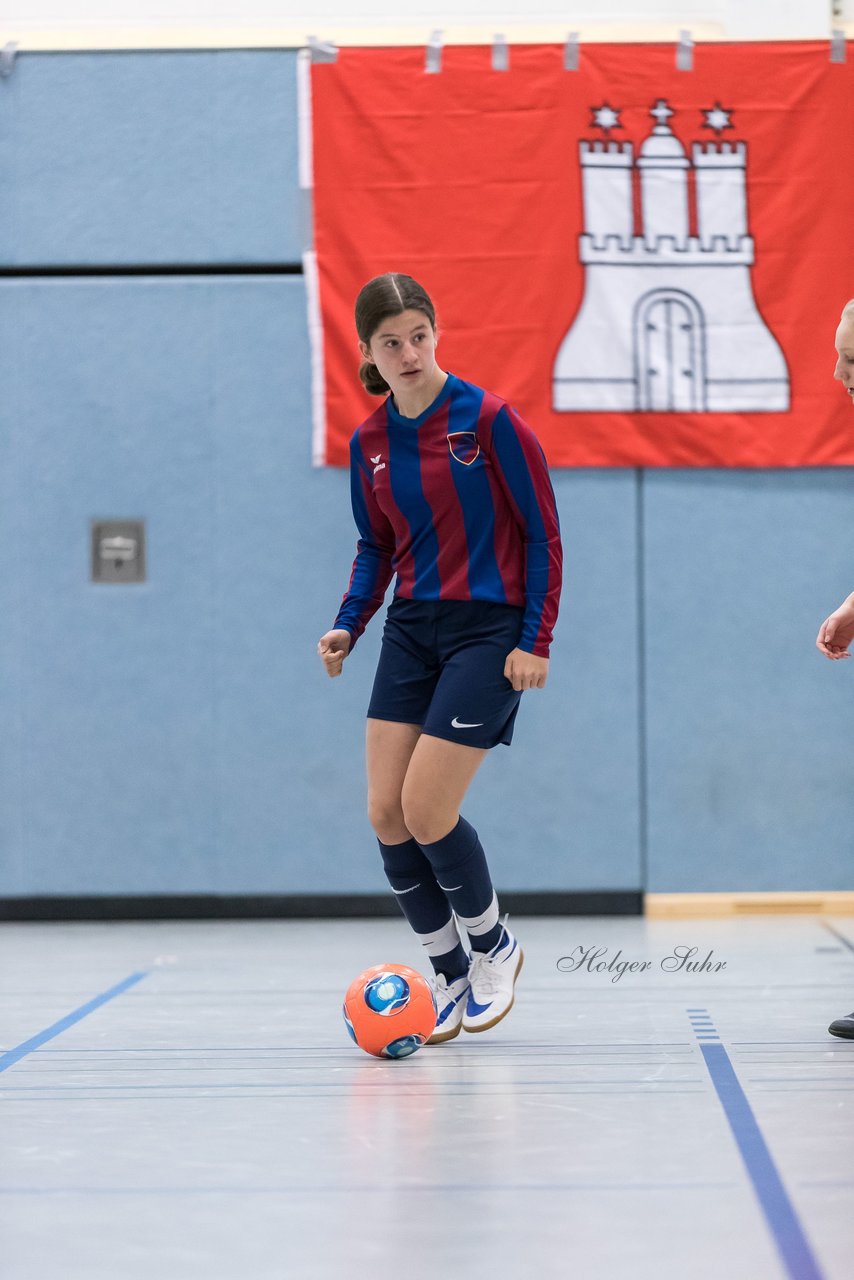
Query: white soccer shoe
pixel 450 1004
pixel 492 978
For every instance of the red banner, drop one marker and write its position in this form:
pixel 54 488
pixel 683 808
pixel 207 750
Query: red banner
pixel 649 264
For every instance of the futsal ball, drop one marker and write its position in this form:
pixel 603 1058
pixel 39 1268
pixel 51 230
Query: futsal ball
pixel 389 1010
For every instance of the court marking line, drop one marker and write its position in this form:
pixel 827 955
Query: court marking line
pixel 846 942
pixel 11 1056
pixel 357 1189
pixel 792 1245
pixel 493 1088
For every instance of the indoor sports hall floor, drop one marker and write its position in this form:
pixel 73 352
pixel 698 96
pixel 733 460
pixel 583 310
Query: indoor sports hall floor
pixel 182 1101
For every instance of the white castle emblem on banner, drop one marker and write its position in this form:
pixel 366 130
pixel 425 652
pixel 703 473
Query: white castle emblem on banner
pixel 668 322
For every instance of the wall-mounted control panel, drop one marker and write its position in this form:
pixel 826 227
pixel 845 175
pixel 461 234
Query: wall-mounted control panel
pixel 118 551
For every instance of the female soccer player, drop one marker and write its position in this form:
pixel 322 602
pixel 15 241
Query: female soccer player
pixel 451 492
pixel 836 632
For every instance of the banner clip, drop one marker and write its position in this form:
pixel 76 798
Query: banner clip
pixel 322 50
pixel 571 52
pixel 7 59
pixel 837 45
pixel 685 52
pixel 433 59
pixel 500 54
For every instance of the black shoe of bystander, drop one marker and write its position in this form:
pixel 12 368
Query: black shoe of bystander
pixel 843 1027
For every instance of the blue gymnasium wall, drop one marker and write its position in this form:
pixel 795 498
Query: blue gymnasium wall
pixel 178 736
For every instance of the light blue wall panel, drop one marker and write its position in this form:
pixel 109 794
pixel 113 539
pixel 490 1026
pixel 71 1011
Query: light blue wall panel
pixel 750 767
pixel 116 392
pixel 290 815
pixel 560 808
pixel 180 736
pixel 149 158
pixel 106 414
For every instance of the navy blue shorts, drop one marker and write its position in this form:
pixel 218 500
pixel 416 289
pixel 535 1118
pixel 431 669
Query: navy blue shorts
pixel 442 667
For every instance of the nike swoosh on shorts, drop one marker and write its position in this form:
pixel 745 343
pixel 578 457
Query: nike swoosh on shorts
pixel 458 724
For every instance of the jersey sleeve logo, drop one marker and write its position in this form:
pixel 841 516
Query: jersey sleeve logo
pixel 464 446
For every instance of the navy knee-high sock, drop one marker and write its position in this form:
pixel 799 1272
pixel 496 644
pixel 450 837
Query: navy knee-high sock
pixel 425 906
pixel 460 866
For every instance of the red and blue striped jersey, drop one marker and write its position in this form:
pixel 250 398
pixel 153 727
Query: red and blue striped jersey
pixel 459 504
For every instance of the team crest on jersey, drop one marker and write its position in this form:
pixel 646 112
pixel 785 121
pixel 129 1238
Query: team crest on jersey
pixel 464 446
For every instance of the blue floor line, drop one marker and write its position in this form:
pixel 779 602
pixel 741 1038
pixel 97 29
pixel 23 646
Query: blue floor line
pixel 11 1056
pixel 794 1248
pixel 846 942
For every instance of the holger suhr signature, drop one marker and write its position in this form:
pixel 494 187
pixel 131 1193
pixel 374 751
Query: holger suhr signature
pixel 680 960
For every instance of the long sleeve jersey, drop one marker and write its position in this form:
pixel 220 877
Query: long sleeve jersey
pixel 459 504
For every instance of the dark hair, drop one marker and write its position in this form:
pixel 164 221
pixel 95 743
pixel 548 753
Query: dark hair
pixel 387 295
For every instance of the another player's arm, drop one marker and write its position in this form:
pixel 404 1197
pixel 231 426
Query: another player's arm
pixel 837 632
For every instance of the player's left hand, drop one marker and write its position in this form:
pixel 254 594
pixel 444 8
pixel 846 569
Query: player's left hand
pixel 526 670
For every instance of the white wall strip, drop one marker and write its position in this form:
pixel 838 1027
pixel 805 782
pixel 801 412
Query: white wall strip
pixel 318 373
pixel 309 259
pixel 105 37
pixel 181 23
pixel 304 138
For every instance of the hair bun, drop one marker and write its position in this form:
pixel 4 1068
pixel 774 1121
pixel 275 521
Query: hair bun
pixel 372 380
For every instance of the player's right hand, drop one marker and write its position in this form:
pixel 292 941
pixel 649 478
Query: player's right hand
pixel 836 633
pixel 333 649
